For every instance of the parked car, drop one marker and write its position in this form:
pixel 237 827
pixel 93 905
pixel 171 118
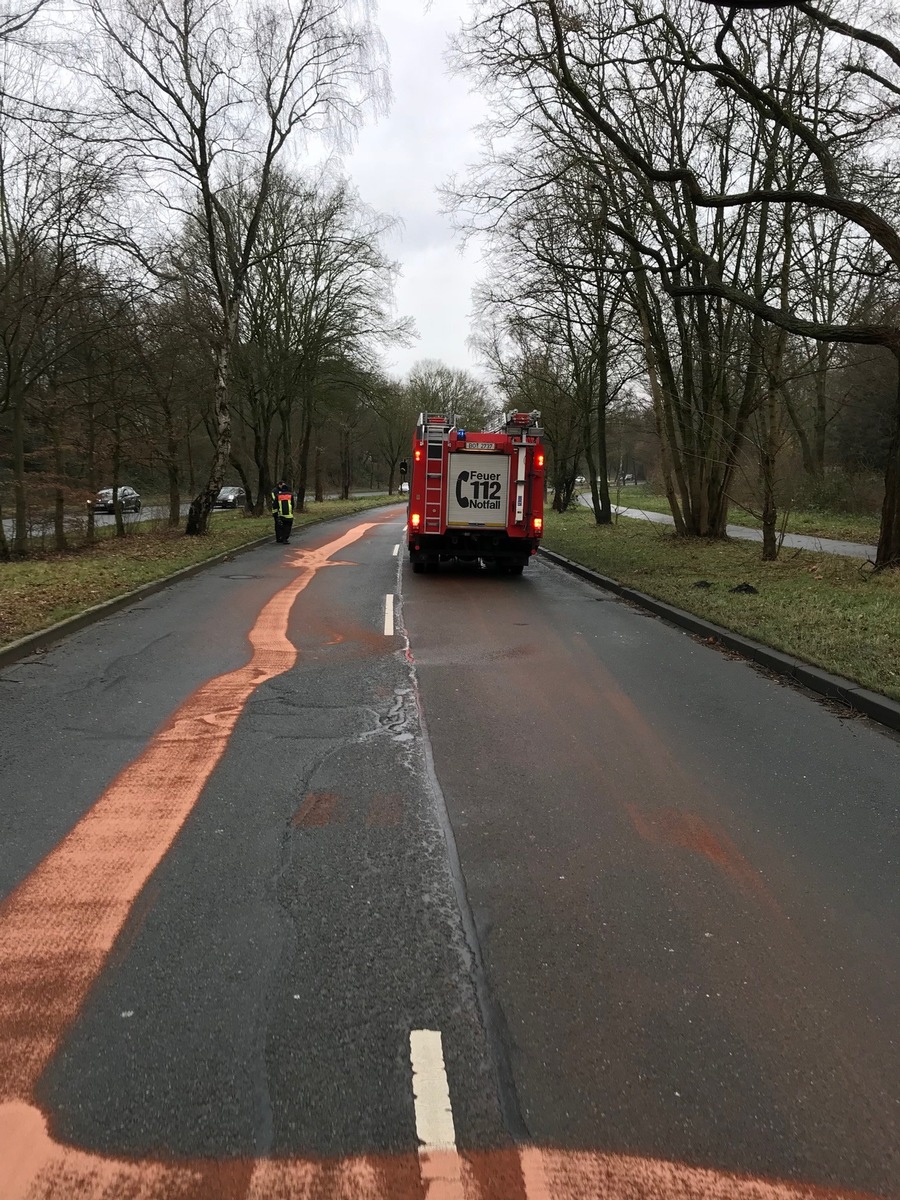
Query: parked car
pixel 128 499
pixel 231 497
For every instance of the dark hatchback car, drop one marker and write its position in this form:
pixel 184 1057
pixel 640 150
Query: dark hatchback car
pixel 230 497
pixel 128 498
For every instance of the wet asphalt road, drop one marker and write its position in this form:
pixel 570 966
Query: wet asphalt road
pixel 647 895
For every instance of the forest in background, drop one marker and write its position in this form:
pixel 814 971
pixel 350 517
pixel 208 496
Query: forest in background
pixel 181 305
pixel 692 222
pixel 689 223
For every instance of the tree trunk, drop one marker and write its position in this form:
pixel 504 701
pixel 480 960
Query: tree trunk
pixel 319 473
pixel 600 517
pixel 346 464
pixel 59 497
pixel 666 458
pixel 602 470
pixel 192 478
pixel 602 394
pixel 264 489
pixel 202 504
pixel 261 458
pixel 303 475
pixel 174 494
pixel 172 467
pixel 116 468
pixel 283 451
pixel 673 480
pixel 820 421
pixel 91 468
pixel 806 450
pixel 591 463
pixel 242 475
pixel 18 461
pixel 768 457
pixel 888 552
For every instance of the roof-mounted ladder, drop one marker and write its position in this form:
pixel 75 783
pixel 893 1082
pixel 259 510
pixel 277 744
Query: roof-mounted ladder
pixel 435 428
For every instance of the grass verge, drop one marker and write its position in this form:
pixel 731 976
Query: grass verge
pixel 847 527
pixel 43 590
pixel 829 611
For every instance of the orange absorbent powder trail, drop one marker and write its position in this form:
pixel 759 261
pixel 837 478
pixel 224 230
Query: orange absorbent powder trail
pixel 58 926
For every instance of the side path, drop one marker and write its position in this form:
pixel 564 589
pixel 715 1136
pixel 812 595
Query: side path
pixel 794 541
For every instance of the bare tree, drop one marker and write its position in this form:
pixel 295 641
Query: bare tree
pixel 207 96
pixel 318 308
pixel 434 386
pixel 15 18
pixel 395 407
pixel 55 197
pixel 552 269
pixel 563 49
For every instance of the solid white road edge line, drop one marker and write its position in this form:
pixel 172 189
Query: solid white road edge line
pixel 389 615
pixel 439 1162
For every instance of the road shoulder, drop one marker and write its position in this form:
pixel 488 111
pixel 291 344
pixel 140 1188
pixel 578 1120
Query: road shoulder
pixel 832 687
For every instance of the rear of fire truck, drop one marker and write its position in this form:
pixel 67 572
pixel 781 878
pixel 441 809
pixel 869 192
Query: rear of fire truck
pixel 476 496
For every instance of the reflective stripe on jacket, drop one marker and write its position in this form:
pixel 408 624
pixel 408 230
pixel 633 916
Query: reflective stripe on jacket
pixel 282 504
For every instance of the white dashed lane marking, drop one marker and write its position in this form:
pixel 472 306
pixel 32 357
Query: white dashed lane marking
pixel 434 1116
pixel 389 615
pixel 439 1161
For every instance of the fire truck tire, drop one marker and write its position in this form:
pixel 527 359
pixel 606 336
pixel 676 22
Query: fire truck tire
pixel 418 566
pixel 514 568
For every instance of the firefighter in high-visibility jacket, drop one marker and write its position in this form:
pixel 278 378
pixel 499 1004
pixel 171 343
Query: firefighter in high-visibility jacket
pixel 283 512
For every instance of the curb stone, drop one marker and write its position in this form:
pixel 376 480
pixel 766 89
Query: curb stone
pixel 833 687
pixel 33 642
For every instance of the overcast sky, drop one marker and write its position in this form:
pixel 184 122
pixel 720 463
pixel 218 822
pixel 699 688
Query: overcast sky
pixel 398 164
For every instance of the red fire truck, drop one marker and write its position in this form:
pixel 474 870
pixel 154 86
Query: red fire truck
pixel 476 495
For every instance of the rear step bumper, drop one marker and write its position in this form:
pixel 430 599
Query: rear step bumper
pixel 494 545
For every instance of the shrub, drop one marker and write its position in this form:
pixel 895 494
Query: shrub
pixel 840 491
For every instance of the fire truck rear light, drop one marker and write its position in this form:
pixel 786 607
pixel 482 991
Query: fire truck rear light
pixel 418 456
pixel 539 460
pixel 538 524
pixel 415 520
